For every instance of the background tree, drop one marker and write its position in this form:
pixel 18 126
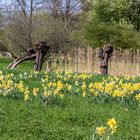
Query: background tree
pixel 115 22
pixel 63 23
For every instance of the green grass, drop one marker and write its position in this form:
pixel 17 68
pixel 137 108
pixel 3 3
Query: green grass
pixel 25 66
pixel 69 119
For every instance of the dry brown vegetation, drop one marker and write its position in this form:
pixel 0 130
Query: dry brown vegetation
pixel 125 62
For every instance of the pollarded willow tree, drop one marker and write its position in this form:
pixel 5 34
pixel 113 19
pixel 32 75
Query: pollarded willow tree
pixel 37 53
pixel 105 53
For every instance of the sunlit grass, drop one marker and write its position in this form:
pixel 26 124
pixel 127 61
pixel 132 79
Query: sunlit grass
pixel 69 118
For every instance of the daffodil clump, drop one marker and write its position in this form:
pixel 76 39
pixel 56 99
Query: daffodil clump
pixel 124 90
pixel 106 131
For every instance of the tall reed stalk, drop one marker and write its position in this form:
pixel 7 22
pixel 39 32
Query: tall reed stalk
pixel 123 62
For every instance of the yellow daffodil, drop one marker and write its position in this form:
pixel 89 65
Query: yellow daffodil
pixel 112 123
pixel 137 97
pixel 61 96
pixel 35 91
pixel 26 97
pixel 113 130
pixel 101 130
pixel 84 94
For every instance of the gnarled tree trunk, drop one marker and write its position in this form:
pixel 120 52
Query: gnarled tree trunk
pixel 37 54
pixel 104 54
pixel 41 49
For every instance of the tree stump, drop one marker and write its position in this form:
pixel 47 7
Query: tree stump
pixel 104 54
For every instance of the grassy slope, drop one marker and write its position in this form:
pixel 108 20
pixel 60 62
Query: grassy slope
pixel 69 119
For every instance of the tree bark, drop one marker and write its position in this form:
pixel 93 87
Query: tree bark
pixel 104 54
pixel 39 60
pixel 17 61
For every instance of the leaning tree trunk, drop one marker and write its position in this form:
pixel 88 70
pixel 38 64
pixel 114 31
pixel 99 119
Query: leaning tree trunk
pixel 104 54
pixel 17 61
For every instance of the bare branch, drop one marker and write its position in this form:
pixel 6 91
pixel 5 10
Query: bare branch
pixel 4 48
pixel 22 6
pixel 39 3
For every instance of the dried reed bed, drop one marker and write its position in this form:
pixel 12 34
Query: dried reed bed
pixel 123 62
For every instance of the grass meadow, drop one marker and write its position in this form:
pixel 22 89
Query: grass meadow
pixel 72 113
